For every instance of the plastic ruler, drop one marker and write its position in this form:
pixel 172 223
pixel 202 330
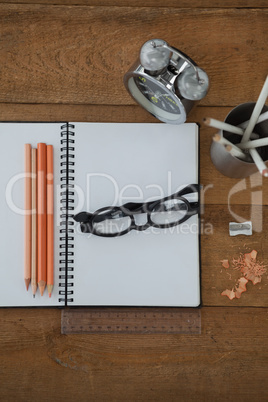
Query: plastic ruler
pixel 131 320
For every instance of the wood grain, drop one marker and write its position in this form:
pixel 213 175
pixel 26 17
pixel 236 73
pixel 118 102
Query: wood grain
pixel 65 61
pixel 155 3
pixel 56 54
pixel 229 355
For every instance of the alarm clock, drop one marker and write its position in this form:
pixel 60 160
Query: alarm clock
pixel 166 82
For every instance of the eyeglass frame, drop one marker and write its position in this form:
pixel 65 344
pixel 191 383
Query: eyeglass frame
pixel 132 208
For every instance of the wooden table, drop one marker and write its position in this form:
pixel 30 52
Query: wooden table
pixel 65 60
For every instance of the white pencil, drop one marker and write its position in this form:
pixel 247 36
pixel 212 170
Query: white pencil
pixel 256 112
pixel 261 142
pixel 220 139
pixel 259 162
pixel 227 127
pixel 235 152
pixel 262 117
pixel 233 149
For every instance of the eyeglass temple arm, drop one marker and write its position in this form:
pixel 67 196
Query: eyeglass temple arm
pixel 192 188
pixel 195 206
pixel 133 207
pixel 82 217
pixel 85 217
pixel 136 207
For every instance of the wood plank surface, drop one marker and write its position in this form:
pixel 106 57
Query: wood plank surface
pixel 65 60
pixel 56 54
pixel 154 3
pixel 228 361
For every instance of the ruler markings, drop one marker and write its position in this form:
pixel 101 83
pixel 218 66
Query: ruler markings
pixel 143 320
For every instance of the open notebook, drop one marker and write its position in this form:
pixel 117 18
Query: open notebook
pixel 107 164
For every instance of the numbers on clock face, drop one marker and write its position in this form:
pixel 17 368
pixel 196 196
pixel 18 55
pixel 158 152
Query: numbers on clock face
pixel 157 95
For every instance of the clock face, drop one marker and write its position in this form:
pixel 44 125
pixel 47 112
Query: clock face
pixel 157 95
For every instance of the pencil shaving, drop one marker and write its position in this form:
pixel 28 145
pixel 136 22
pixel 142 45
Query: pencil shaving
pixel 225 263
pixel 251 270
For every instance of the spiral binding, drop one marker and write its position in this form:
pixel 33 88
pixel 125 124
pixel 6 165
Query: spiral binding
pixel 66 253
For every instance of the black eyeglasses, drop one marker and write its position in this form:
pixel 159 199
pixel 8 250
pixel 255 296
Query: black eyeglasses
pixel 117 221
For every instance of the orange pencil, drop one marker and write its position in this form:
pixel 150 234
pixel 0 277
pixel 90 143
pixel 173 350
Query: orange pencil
pixel 27 211
pixel 34 222
pixel 41 216
pixel 50 215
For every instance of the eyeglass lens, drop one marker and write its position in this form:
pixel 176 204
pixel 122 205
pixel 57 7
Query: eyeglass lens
pixel 169 212
pixel 116 224
pixel 163 213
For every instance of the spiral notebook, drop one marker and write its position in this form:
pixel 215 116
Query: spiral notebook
pixel 98 165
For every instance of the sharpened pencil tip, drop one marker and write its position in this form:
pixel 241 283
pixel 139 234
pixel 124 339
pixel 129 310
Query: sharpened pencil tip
pixel 216 137
pixel 27 283
pixel 42 285
pixel 49 289
pixel 265 172
pixel 34 288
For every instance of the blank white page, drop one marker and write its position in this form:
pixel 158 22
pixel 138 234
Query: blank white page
pixel 119 163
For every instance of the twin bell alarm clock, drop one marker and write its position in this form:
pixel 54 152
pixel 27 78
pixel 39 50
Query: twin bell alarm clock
pixel 166 82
